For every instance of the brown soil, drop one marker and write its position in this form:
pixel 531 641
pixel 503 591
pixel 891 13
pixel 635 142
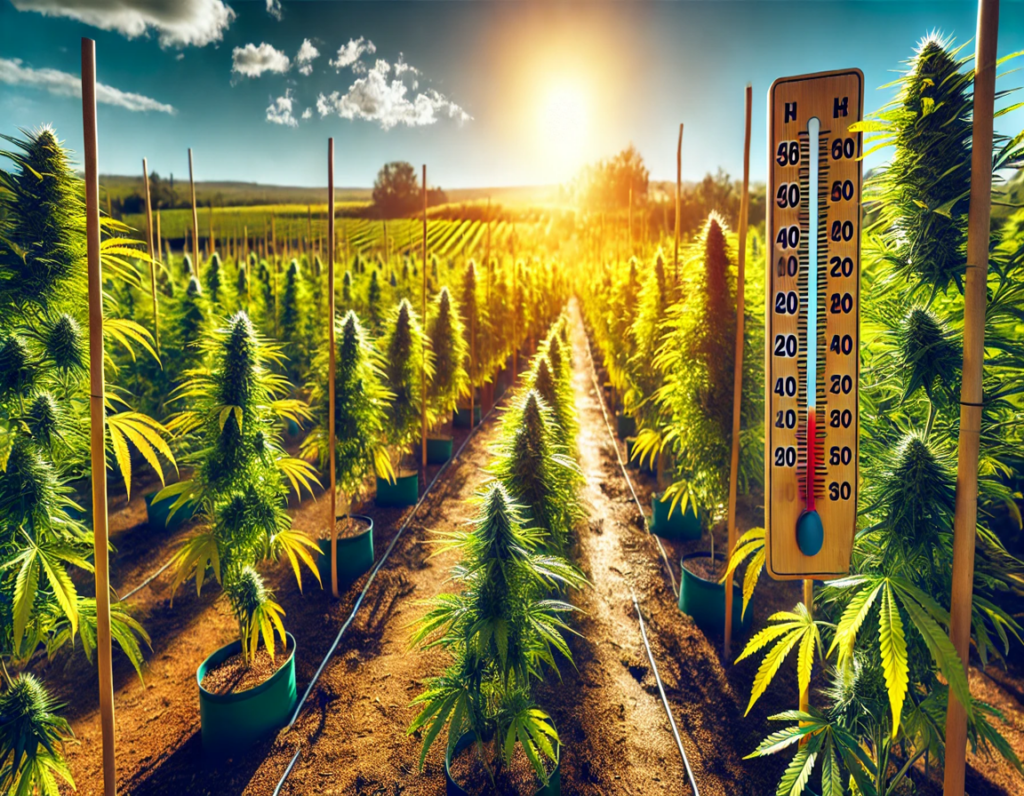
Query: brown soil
pixel 232 675
pixel 702 567
pixel 347 528
pixel 516 779
pixel 352 735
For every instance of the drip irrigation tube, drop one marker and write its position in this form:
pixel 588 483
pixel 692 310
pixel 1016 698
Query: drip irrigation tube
pixel 625 473
pixel 366 588
pixel 661 690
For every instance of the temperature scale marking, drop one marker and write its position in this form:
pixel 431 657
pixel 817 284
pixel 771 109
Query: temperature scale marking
pixel 812 340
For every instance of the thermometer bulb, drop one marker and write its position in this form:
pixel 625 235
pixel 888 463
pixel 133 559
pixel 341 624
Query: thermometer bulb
pixel 810 533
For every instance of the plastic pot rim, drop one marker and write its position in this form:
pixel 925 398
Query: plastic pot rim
pixel 240 696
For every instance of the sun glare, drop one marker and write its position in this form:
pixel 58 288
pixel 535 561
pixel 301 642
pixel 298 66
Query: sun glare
pixel 563 125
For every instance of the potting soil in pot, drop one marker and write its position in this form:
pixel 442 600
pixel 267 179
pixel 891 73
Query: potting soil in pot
pixel 703 568
pixel 232 676
pixel 517 779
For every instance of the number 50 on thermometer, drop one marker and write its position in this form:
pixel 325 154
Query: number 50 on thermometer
pixel 812 319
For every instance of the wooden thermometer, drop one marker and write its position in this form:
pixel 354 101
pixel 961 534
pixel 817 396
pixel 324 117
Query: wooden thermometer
pixel 812 339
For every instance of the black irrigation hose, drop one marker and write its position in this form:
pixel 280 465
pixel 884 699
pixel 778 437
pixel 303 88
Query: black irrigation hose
pixel 147 581
pixel 366 588
pixel 625 473
pixel 661 690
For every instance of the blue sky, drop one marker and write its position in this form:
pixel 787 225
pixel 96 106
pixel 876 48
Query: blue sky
pixel 498 93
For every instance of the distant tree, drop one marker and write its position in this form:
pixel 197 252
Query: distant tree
pixel 606 185
pixel 396 191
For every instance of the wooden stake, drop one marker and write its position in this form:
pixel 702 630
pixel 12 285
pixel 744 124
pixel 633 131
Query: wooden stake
pixel 423 363
pixel 679 196
pixel 805 695
pixel 213 246
pixel 332 444
pixel 153 251
pixel 195 216
pixel 971 396
pixel 737 383
pixel 98 416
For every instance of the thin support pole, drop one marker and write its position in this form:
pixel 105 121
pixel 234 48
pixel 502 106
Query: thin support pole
pixel 679 197
pixel 195 215
pixel 805 695
pixel 737 388
pixel 423 357
pixel 971 397
pixel 97 416
pixel 332 443
pixel 152 250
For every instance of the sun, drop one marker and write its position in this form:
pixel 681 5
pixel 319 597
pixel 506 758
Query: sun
pixel 563 125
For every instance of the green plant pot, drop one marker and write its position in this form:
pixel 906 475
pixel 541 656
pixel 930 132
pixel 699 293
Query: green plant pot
pixel 158 514
pixel 461 419
pixel 704 601
pixel 626 426
pixel 439 449
pixel 405 491
pixel 452 788
pixel 355 555
pixel 233 722
pixel 680 526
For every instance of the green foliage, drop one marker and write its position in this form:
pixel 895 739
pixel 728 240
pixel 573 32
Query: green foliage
pixel 445 330
pixel 405 356
pixel 257 614
pixel 32 737
pixel 538 471
pixel 360 408
pixel 293 315
pixel 697 356
pixel 240 472
pixel 500 629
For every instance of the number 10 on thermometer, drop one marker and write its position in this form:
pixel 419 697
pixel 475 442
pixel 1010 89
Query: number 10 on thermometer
pixel 812 336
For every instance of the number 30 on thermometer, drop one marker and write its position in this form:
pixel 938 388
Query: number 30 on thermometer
pixel 813 340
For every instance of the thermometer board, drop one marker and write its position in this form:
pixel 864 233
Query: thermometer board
pixel 812 315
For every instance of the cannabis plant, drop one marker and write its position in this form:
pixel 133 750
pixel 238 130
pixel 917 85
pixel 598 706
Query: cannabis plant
pixel 447 341
pixel 499 630
pixel 293 325
pixel 32 738
pixel 536 469
pixel 240 472
pixel 405 355
pixel 360 410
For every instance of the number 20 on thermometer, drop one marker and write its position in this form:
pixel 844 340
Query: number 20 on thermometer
pixel 812 336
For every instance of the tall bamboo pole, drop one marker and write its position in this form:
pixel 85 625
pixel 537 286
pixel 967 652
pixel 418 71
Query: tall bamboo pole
pixel 195 215
pixel 515 310
pixel 152 250
pixel 212 241
pixel 971 397
pixel 423 363
pixel 159 239
pixel 737 383
pixel 679 196
pixel 97 416
pixel 333 519
pixel 805 694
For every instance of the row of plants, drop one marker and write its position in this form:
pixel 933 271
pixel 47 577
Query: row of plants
pixel 46 544
pixel 507 625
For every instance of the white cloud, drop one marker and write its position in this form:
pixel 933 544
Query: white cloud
pixel 274 9
pixel 64 84
pixel 253 61
pixel 375 98
pixel 179 57
pixel 349 54
pixel 179 23
pixel 307 114
pixel 280 110
pixel 306 55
